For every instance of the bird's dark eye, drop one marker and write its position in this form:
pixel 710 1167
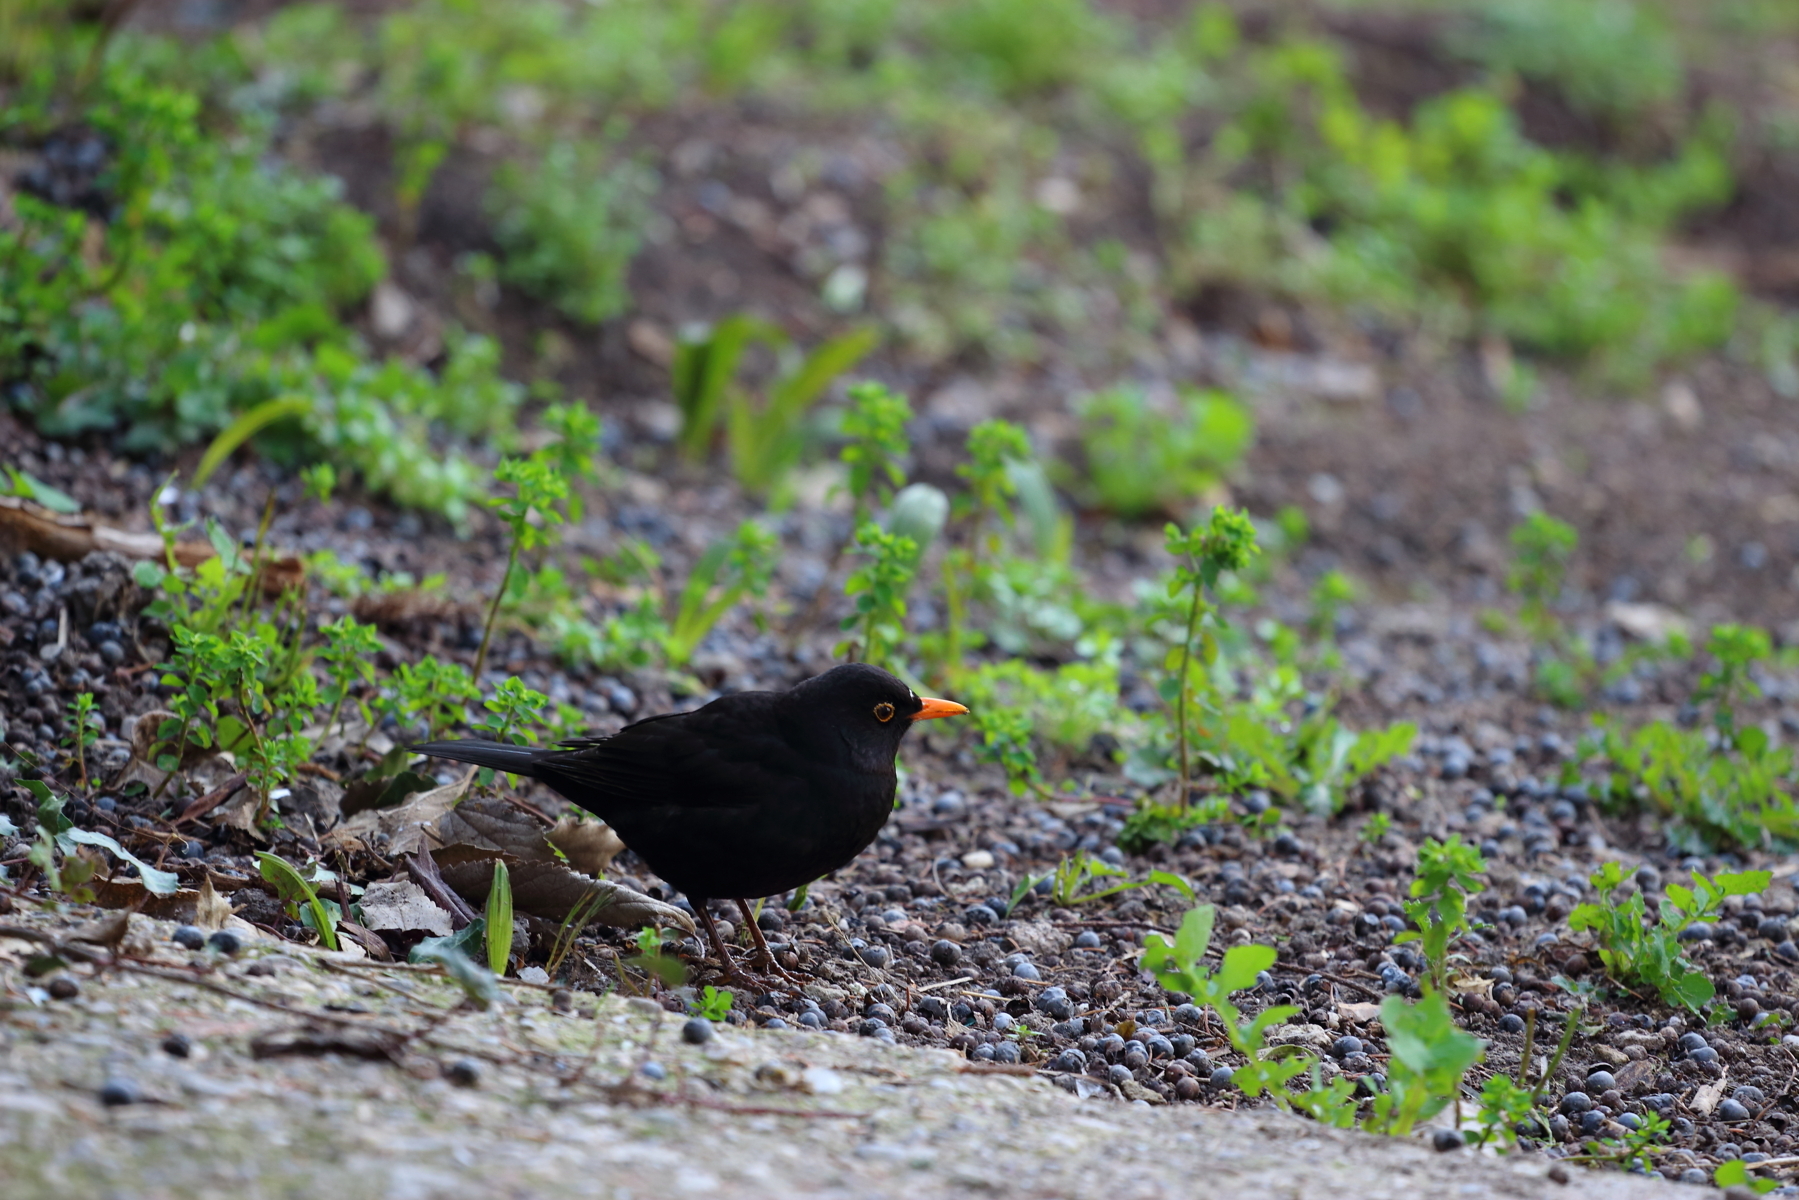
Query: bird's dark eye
pixel 883 712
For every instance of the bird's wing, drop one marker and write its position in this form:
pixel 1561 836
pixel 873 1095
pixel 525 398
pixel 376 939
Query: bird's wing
pixel 709 758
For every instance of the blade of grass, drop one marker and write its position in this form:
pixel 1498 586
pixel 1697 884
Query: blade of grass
pixel 499 919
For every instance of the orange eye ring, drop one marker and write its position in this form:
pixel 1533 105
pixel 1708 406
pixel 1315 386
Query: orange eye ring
pixel 883 712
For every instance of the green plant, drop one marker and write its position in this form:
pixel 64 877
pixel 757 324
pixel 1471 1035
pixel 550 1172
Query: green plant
pixel 1426 1059
pixel 1079 871
pixel 1447 874
pixel 1637 949
pixel 653 959
pixel 1225 543
pixel 85 726
pixel 1731 783
pixel 302 899
pixel 876 447
pixel 879 587
pixel 568 226
pixel 1141 460
pixel 514 711
pixel 726 573
pixel 713 1003
pixel 1504 1106
pixel 1374 828
pixel 1735 1174
pixel 499 918
pixel 539 493
pixel 766 436
pixel 348 655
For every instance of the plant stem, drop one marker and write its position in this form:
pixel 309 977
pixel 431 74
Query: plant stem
pixel 493 610
pixel 1180 704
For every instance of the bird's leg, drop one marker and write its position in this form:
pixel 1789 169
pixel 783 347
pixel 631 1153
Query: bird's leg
pixel 730 969
pixel 762 951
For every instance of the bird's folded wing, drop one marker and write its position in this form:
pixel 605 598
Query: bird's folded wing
pixel 703 761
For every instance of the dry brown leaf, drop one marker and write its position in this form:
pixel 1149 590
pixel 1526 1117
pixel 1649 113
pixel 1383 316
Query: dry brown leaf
pixel 407 826
pixel 1360 1013
pixel 1707 1097
pixel 131 895
pixel 211 910
pixel 551 891
pixel 106 931
pixel 403 907
pixel 1633 1076
pixel 590 846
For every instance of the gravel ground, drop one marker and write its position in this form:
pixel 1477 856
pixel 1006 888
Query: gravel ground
pixel 483 1105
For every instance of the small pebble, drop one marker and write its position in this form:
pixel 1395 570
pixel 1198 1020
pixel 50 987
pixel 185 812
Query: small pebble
pixel 1601 1081
pixel 1025 970
pixel 1006 1052
pixel 945 953
pixel 1447 1139
pixel 188 937
pixel 225 942
pixel 1087 940
pixel 1694 1175
pixel 1221 1077
pixel 1732 1110
pixel 697 1031
pixel 64 988
pixel 1511 1023
pixel 116 1092
pixel 1576 1102
pixel 176 1045
pixel 464 1072
pixel 653 1070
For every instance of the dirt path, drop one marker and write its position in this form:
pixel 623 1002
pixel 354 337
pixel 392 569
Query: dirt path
pixel 478 1107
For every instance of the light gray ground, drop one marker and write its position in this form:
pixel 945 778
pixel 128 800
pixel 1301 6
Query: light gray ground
pixel 879 1120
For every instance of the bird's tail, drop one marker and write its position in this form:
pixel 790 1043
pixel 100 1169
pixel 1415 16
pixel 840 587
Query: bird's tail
pixel 501 756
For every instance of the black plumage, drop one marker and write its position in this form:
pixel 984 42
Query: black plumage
pixel 754 794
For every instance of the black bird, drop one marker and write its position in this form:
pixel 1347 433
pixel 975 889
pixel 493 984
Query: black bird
pixel 756 793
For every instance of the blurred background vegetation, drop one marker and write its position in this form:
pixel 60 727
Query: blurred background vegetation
pixel 209 199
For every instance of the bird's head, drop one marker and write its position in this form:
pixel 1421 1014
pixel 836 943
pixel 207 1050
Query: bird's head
pixel 864 709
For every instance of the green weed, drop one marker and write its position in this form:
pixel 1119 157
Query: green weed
pixel 1446 877
pixel 1637 949
pixel 1140 460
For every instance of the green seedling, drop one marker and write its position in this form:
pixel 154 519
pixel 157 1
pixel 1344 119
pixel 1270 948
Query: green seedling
pixel 1427 1057
pixel 724 575
pixel 1226 543
pixel 714 1004
pixel 1078 872
pixel 879 588
pixel 348 654
pixel 302 900
pixel 1374 829
pixel 653 959
pixel 1637 949
pixel 1447 875
pixel 538 497
pixel 85 726
pixel 499 918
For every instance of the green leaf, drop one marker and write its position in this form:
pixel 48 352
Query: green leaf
pixel 468 940
pixel 161 883
pixel 1242 964
pixel 7 828
pixel 247 426
pixel 35 489
pixel 1744 883
pixel 476 981
pixel 1195 935
pixel 1691 989
pixel 293 888
pixel 499 919
pixel 1174 881
pixel 148 575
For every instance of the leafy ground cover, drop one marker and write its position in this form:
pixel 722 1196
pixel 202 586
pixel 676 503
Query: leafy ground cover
pixel 1157 387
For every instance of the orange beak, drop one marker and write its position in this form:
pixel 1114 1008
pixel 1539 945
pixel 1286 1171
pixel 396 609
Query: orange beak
pixel 938 708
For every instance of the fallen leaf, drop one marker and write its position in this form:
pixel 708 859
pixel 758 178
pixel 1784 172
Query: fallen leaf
pixel 1633 1076
pixel 106 931
pixel 405 826
pixel 590 846
pixel 211 910
pixel 1362 1014
pixel 1707 1097
pixel 403 907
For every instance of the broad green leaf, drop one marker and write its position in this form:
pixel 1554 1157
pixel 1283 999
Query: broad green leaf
pixel 161 883
pixel 32 488
pixel 1195 935
pixel 1242 964
pixel 1693 990
pixel 1744 883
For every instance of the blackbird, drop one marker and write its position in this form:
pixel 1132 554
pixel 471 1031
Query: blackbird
pixel 754 794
